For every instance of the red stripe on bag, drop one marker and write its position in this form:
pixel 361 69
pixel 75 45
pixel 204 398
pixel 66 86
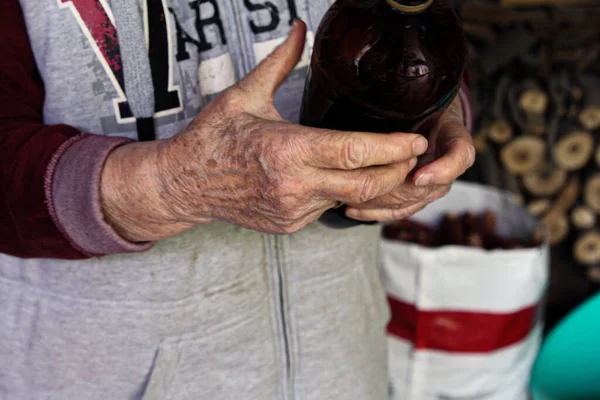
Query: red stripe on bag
pixel 459 331
pixel 404 320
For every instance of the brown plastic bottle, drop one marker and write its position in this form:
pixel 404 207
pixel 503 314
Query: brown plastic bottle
pixel 383 66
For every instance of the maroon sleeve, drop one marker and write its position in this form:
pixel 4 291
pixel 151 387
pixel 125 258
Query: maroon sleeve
pixel 49 175
pixel 26 148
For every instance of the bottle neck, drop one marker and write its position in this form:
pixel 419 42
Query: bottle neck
pixel 410 6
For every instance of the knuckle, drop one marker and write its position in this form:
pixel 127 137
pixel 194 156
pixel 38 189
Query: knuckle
pixel 468 155
pixel 369 188
pixel 398 214
pixel 354 153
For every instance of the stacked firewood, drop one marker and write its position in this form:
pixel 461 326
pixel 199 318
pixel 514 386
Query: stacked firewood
pixel 469 229
pixel 535 69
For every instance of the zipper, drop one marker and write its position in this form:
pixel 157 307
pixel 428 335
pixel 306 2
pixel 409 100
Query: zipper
pixel 280 308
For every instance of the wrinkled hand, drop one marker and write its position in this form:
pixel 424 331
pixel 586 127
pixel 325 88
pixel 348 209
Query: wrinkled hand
pixel 449 155
pixel 240 162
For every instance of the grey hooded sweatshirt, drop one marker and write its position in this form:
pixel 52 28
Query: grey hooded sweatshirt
pixel 217 312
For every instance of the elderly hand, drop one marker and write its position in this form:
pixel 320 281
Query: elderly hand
pixel 449 155
pixel 240 162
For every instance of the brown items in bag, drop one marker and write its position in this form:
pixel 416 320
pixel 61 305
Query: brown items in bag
pixel 469 229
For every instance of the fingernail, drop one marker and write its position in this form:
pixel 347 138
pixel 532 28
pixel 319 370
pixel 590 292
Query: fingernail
pixel 424 180
pixel 413 163
pixel 419 146
pixel 295 25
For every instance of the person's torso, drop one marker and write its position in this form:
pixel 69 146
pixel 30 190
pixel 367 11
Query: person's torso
pixel 218 312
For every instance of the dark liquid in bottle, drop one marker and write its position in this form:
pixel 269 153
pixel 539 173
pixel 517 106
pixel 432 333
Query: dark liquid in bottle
pixel 376 69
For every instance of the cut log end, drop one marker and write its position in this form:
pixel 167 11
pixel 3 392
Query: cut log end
pixel 590 118
pixel 500 131
pixel 586 249
pixel 534 101
pixel 583 217
pixel 545 182
pixel 591 192
pixel 574 150
pixel 523 155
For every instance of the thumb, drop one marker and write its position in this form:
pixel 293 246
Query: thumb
pixel 268 76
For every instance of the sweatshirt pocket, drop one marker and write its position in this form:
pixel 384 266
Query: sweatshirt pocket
pixel 238 361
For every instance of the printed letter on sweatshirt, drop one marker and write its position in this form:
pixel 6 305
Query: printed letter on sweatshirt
pixel 273 11
pixel 97 23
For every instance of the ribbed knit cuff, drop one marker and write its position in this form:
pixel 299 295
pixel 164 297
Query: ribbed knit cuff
pixel 73 196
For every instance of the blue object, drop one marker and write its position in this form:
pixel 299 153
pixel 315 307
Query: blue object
pixel 568 365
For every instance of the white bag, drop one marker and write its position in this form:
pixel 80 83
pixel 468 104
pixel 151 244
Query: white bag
pixel 466 322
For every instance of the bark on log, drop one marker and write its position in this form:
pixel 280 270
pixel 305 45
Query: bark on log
pixel 567 197
pixel 557 225
pixel 538 207
pixel 556 220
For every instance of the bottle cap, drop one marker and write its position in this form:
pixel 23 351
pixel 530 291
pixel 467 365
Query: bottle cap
pixel 410 6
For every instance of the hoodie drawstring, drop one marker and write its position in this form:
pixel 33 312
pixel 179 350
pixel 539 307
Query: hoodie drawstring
pixel 137 72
